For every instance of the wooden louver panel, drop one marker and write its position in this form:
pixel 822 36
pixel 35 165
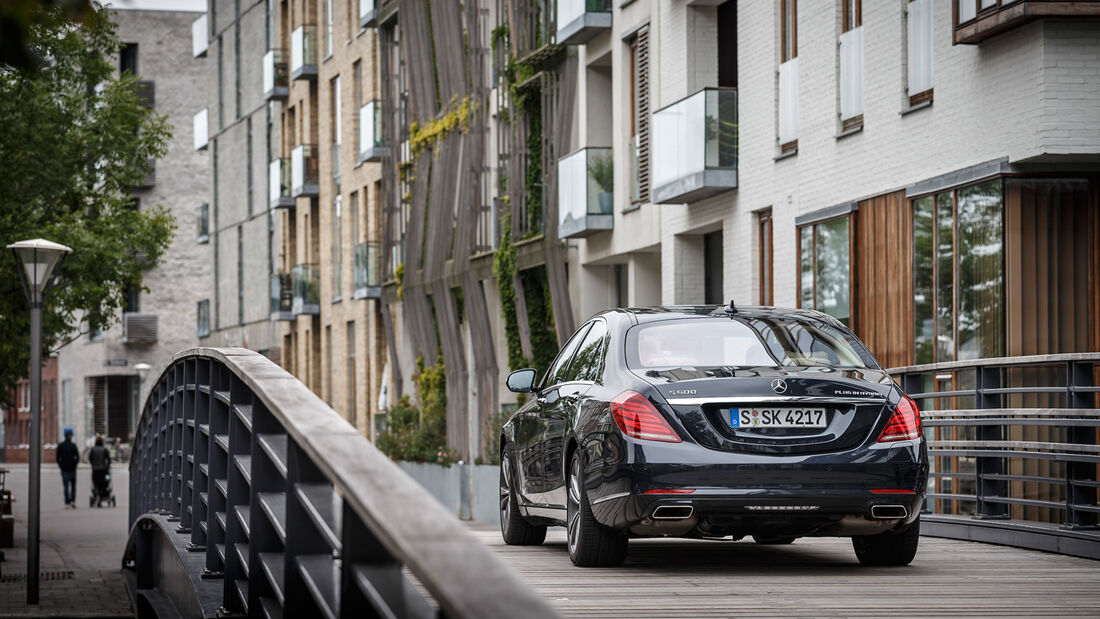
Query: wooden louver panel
pixel 641 89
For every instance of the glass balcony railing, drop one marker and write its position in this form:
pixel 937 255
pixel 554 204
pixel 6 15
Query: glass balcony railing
pixel 303 53
pixel 306 280
pixel 368 13
pixel 580 20
pixel 304 171
pixel 200 36
pixel 367 273
pixel 370 132
pixel 282 297
pixel 695 147
pixel 278 176
pixel 276 75
pixel 586 192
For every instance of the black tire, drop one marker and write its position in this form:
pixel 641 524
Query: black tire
pixel 590 543
pixel 513 526
pixel 772 541
pixel 888 549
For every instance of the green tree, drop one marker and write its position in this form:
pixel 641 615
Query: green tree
pixel 75 139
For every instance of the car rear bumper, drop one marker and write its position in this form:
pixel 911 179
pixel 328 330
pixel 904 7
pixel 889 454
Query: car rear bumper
pixel 868 490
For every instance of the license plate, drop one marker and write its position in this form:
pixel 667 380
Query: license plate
pixel 777 417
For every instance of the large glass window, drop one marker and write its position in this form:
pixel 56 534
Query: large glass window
pixel 824 269
pixel 958 274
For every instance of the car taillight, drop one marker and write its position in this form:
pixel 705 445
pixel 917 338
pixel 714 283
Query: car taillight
pixel 904 424
pixel 637 418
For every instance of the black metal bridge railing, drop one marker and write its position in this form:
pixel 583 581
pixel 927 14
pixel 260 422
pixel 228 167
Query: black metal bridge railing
pixel 250 496
pixel 1014 449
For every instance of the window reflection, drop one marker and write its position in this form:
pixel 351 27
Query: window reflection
pixel 824 268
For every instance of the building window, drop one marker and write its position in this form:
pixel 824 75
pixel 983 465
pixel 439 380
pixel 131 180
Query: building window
pixel 237 60
pixel 221 84
pixel 337 125
pixel 202 325
pixel 204 223
pixel 128 58
pixel 328 362
pixel 352 377
pixel 240 275
pixel 919 51
pixel 825 269
pixel 764 232
pixel 337 252
pixel 328 28
pixel 851 65
pixel 248 163
pixel 357 96
pixel 788 76
pixel 958 274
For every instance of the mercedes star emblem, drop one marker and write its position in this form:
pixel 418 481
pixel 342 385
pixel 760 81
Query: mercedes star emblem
pixel 779 385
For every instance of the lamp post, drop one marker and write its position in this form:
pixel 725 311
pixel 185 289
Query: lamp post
pixel 37 257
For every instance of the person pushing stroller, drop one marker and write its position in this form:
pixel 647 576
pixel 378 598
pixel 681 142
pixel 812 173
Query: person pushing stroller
pixel 100 461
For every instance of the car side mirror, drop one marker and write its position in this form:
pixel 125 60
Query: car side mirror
pixel 521 381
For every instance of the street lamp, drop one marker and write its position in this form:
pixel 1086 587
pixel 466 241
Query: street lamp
pixel 38 257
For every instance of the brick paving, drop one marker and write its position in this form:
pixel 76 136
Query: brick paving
pixel 81 550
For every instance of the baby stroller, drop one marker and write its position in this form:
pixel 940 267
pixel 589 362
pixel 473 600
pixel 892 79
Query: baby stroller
pixel 101 489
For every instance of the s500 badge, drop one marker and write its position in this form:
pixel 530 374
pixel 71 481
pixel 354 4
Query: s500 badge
pixel 682 392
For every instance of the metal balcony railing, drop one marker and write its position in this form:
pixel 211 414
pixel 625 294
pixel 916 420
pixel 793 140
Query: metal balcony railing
pixel 1014 449
pixel 278 177
pixel 303 53
pixel 306 280
pixel 586 192
pixel 367 273
pixel 276 75
pixel 695 147
pixel 250 496
pixel 304 171
pixel 282 296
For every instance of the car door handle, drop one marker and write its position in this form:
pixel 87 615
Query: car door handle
pixel 541 400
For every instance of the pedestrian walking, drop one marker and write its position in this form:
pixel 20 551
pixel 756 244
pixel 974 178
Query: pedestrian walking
pixel 100 461
pixel 68 456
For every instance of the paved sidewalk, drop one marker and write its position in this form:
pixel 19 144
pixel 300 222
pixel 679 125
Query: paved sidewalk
pixel 80 553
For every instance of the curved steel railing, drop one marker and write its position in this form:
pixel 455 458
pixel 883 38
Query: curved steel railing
pixel 275 505
pixel 1014 448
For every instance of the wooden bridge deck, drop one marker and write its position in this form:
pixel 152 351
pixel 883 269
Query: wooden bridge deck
pixel 811 578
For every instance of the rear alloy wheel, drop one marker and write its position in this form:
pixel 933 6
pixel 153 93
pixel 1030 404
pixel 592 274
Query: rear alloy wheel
pixel 888 549
pixel 590 543
pixel 513 526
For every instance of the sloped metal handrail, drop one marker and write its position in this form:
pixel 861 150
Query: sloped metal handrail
pixel 985 421
pixel 290 509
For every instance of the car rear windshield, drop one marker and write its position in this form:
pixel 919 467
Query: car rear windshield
pixel 744 342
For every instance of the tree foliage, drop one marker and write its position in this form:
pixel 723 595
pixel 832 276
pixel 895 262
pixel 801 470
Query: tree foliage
pixel 74 141
pixel 420 435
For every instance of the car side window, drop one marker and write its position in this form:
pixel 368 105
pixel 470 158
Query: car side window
pixel 558 368
pixel 588 362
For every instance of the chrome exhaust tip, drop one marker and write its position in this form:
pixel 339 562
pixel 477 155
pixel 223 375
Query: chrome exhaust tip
pixel 889 512
pixel 673 512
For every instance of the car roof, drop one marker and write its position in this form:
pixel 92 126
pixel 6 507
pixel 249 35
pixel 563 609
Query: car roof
pixel 641 315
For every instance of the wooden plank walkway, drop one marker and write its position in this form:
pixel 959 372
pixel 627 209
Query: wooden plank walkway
pixel 810 578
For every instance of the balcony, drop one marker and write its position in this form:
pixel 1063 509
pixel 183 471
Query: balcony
pixel 586 192
pixel 303 171
pixel 367 274
pixel 580 20
pixel 303 53
pixel 276 75
pixel 199 36
pixel 202 133
pixel 278 175
pixel 370 132
pixel 368 14
pixel 282 297
pixel 306 282
pixel 695 147
pixel 978 20
pixel 138 328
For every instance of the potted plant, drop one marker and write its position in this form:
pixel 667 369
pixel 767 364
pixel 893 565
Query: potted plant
pixel 601 168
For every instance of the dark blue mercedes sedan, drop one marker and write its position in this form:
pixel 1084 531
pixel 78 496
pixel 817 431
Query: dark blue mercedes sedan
pixel 713 422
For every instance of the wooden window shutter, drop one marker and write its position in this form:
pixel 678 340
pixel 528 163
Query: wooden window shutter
pixel 641 117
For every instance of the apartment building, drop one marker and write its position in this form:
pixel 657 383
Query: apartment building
pixel 922 170
pixel 237 128
pixel 100 377
pixel 325 190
